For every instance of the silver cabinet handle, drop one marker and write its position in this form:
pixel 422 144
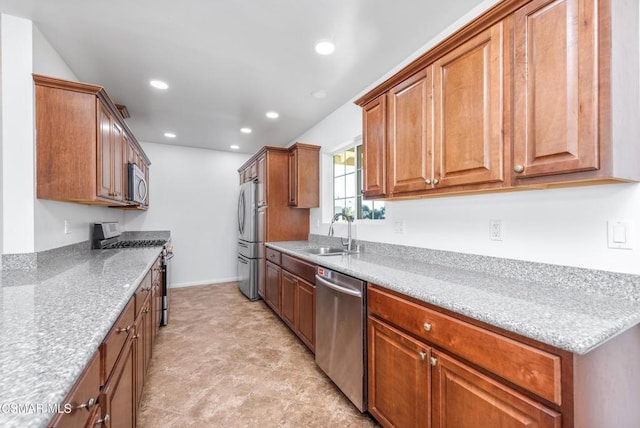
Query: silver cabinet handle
pixel 427 326
pixel 427 181
pixel 88 405
pixel 422 355
pixel 123 329
pixel 436 181
pixel 433 361
pixel 338 288
pixel 103 421
pixel 518 168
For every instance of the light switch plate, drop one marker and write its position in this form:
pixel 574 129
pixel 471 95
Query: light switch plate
pixel 619 234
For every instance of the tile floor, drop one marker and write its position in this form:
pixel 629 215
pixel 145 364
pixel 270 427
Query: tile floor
pixel 224 361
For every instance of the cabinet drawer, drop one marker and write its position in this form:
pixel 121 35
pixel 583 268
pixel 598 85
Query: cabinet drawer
pixel 532 369
pixel 142 293
pixel 304 270
pixel 82 398
pixel 113 343
pixel 273 256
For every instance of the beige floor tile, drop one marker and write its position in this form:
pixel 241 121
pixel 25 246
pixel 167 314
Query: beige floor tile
pixel 224 361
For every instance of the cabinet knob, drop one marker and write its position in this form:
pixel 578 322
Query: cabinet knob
pixel 103 421
pixel 427 181
pixel 146 310
pixel 88 405
pixel 123 329
pixel 422 355
pixel 518 168
pixel 435 181
pixel 433 361
pixel 427 326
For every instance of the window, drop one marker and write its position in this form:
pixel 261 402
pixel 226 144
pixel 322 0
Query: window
pixel 347 187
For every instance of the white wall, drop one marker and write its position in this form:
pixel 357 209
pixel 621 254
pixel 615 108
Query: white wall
pixel 561 226
pixel 193 193
pixel 17 135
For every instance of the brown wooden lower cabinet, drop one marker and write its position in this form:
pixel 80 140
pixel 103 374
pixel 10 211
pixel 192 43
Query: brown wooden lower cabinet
pixel 119 392
pixel 463 397
pixel 306 313
pixel 272 286
pixel 413 384
pixel 109 390
pixel 291 293
pixel 289 290
pixel 399 377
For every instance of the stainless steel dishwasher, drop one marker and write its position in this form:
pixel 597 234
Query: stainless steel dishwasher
pixel 341 333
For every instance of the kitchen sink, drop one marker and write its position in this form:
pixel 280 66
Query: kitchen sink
pixel 325 251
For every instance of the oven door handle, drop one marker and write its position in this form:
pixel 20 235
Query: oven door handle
pixel 338 288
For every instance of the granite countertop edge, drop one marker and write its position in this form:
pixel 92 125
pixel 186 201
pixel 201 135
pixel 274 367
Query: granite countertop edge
pixel 578 331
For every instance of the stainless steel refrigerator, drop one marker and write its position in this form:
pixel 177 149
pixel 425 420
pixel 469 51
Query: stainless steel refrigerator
pixel 248 240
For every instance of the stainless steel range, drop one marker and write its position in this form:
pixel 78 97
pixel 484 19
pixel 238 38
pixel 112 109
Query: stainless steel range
pixel 107 235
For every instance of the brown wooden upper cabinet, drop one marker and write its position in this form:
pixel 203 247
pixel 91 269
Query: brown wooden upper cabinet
pixel 304 176
pixel 556 79
pixel 521 96
pixel 374 152
pixel 82 144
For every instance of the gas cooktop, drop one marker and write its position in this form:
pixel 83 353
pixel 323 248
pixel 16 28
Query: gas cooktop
pixel 136 243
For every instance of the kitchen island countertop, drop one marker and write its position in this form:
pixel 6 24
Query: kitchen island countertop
pixel 53 320
pixel 574 319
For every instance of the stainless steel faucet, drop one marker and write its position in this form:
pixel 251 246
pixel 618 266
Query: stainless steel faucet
pixel 346 217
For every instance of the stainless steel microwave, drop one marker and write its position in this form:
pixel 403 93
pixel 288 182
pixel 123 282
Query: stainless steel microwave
pixel 137 184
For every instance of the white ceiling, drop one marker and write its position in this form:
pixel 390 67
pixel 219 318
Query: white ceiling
pixel 229 61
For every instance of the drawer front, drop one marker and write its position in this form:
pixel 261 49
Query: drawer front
pixel 82 398
pixel 156 272
pixel 530 368
pixel 142 293
pixel 273 256
pixel 304 270
pixel 115 340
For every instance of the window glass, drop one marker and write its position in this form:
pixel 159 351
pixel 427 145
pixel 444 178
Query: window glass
pixel 348 184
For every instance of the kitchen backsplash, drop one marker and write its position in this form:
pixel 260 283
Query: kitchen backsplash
pixel 620 285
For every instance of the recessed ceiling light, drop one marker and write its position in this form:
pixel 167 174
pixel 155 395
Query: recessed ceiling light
pixel 234 147
pixel 245 130
pixel 159 84
pixel 170 135
pixel 320 93
pixel 272 115
pixel 325 47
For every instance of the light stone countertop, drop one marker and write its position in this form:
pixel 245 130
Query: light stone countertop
pixel 53 320
pixel 576 319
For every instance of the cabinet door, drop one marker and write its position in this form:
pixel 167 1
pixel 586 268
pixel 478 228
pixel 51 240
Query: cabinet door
pixel 139 356
pixel 288 298
pixel 399 377
pixel 555 88
pixel 374 147
pixel 463 397
pixel 469 111
pixel 272 286
pixel 262 179
pixel 410 142
pixel 306 313
pixel 119 391
pixel 118 163
pixel 293 178
pixel 104 152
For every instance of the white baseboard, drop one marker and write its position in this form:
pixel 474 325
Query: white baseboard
pixel 212 281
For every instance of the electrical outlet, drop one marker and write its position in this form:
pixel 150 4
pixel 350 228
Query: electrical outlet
pixel 496 230
pixel 67 227
pixel 398 226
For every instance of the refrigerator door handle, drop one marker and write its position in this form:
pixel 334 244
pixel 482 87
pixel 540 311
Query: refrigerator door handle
pixel 241 212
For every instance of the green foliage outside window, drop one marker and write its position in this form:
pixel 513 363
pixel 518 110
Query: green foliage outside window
pixel 347 187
